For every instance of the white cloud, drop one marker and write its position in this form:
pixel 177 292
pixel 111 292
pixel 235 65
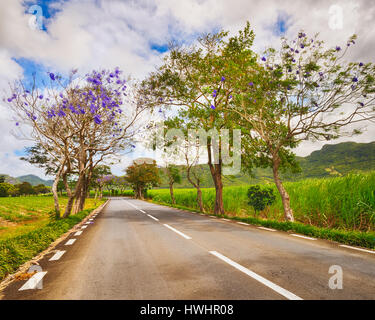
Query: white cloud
pixel 93 34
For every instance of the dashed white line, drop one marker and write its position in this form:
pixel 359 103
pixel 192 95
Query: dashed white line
pixel 33 282
pixel 57 255
pixel 78 233
pixel 130 204
pixel 70 242
pixel 359 249
pixel 178 232
pixel 300 236
pixel 226 219
pixel 83 227
pixel 243 223
pixel 287 294
pixel 267 229
pixel 142 211
pixel 156 219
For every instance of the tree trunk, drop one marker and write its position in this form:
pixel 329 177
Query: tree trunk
pixel 69 205
pixel 288 212
pixel 55 194
pixel 199 199
pixel 171 192
pixel 216 176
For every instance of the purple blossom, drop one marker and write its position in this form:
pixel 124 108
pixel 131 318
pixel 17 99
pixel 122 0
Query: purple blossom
pixel 213 107
pixel 361 64
pixel 222 79
pixel 338 48
pixel 355 79
pixel 251 84
pixel 97 119
pixel 17 124
pixel 52 76
pixel 41 97
pixel 264 59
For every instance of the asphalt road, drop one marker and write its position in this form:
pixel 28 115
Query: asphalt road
pixel 138 250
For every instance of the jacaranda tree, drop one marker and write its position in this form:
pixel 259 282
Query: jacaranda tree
pixel 79 122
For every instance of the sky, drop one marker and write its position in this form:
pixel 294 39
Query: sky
pixel 60 35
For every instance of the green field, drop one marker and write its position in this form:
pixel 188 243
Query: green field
pixel 21 215
pixel 343 203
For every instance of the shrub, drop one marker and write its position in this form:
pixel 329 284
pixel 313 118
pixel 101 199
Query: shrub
pixel 259 198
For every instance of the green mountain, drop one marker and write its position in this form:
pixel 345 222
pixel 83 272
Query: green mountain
pixel 30 178
pixel 35 180
pixel 332 160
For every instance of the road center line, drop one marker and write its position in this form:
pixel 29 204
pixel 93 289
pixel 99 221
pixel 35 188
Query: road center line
pixel 33 282
pixel 359 249
pixel 287 294
pixel 304 237
pixel 178 232
pixel 132 205
pixel 57 255
pixel 268 229
pixel 70 242
pixel 156 219
pixel 142 211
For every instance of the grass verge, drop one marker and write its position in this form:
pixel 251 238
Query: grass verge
pixel 356 238
pixel 20 249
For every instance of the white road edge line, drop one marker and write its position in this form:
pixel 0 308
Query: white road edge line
pixel 33 282
pixel 156 219
pixel 268 229
pixel 178 232
pixel 243 223
pixel 142 211
pixel 70 242
pixel 287 294
pixel 78 233
pixel 304 237
pixel 226 219
pixel 359 249
pixel 83 227
pixel 57 255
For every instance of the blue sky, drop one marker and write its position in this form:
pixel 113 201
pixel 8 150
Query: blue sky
pixel 91 34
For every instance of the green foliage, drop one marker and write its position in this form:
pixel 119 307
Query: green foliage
pixel 142 176
pixel 259 198
pixel 338 202
pixel 16 251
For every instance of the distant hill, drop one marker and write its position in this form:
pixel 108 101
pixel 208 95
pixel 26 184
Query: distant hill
pixel 35 180
pixel 30 178
pixel 332 160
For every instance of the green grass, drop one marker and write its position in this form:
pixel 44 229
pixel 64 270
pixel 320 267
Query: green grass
pixel 344 203
pixel 18 250
pixel 21 215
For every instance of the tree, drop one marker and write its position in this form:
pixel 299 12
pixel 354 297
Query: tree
pixel 7 189
pixel 2 178
pixel 141 176
pixel 194 81
pixel 41 188
pixel 259 198
pixel 300 92
pixel 173 174
pixel 25 188
pixel 78 123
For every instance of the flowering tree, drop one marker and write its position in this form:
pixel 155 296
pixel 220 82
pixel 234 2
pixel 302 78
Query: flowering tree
pixel 194 81
pixel 300 92
pixel 79 122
